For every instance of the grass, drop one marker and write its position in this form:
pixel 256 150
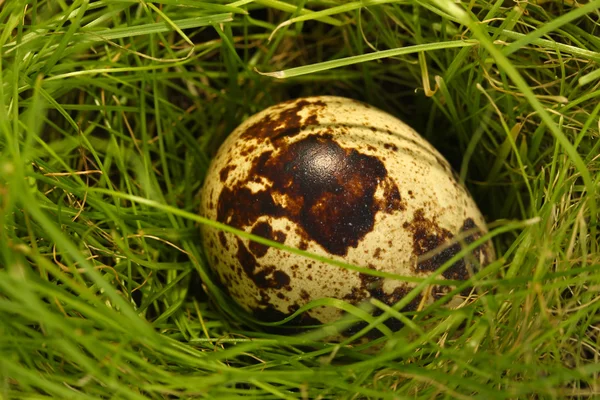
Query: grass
pixel 110 111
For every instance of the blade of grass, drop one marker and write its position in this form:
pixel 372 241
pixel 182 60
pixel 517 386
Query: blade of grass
pixel 518 80
pixel 330 11
pixel 546 28
pixel 309 69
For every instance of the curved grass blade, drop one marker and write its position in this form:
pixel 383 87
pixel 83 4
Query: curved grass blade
pixel 309 69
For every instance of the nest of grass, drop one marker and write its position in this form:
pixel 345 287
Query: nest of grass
pixel 111 110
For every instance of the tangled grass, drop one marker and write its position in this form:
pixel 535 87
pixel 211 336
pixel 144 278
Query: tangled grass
pixel 110 111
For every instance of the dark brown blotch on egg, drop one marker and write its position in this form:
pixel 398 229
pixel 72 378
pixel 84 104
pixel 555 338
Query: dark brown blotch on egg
pixel 329 192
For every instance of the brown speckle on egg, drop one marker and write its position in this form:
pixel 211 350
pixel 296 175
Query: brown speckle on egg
pixel 224 173
pixel 390 146
pixel 327 175
pixel 223 240
pixel 265 230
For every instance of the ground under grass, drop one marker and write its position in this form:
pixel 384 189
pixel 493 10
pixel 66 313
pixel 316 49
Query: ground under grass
pixel 110 111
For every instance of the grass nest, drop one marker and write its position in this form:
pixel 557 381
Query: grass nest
pixel 110 111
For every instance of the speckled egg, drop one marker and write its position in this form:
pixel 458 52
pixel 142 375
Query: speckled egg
pixel 338 178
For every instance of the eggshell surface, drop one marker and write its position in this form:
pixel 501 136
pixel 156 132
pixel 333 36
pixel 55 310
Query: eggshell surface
pixel 341 179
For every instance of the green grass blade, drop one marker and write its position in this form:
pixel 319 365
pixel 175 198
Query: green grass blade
pixel 309 69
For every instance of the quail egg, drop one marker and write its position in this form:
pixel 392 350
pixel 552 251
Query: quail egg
pixel 342 179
